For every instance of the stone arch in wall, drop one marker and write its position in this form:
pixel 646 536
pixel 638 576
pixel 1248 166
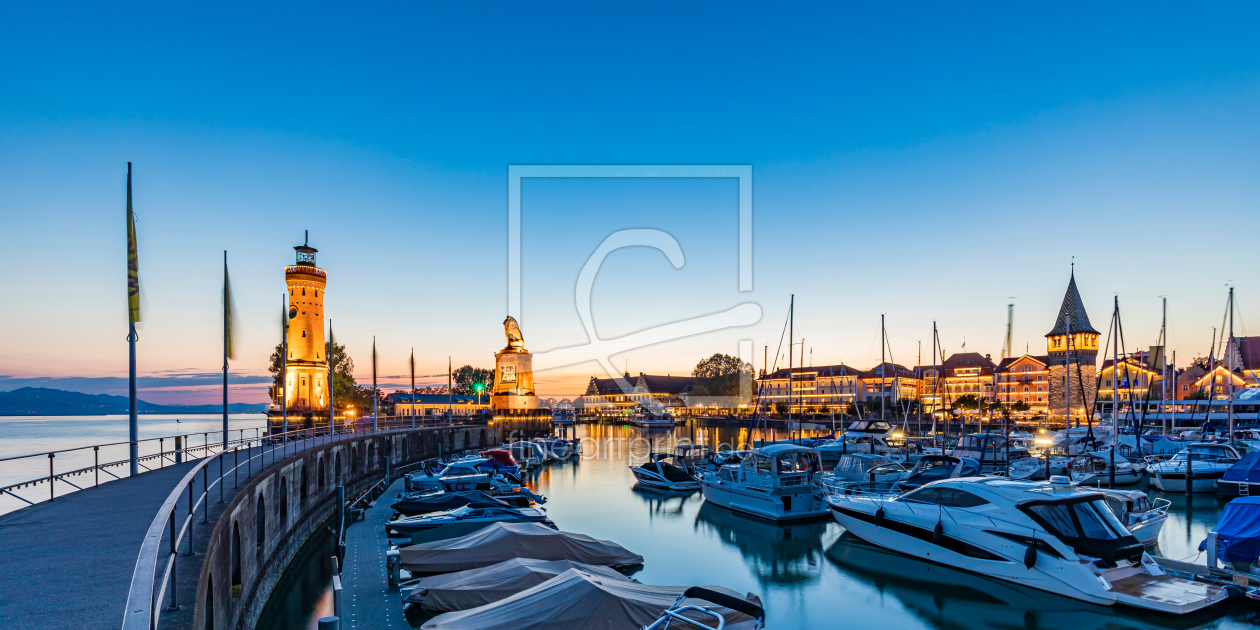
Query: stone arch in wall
pixel 236 558
pixel 337 469
pixel 321 473
pixel 371 455
pixel 302 491
pixel 282 504
pixel 260 523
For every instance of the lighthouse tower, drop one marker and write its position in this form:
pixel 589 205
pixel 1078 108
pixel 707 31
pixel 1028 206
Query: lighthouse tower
pixel 1072 338
pixel 306 376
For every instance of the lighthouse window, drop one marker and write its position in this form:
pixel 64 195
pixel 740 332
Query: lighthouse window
pixel 303 290
pixel 303 332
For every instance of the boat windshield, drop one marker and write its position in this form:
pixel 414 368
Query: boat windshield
pixel 1089 519
pixel 797 462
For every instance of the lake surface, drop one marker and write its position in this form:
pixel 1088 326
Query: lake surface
pixel 24 435
pixel 808 575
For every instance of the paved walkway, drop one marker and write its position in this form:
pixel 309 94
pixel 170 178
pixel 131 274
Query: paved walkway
pixel 69 562
pixel 367 600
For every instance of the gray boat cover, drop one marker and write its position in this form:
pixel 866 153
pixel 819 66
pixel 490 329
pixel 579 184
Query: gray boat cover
pixel 477 587
pixel 577 600
pixel 503 541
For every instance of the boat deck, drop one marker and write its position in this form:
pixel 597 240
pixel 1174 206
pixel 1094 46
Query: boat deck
pixel 368 601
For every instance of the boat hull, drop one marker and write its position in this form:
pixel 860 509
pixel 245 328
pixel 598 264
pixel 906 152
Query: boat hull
pixel 1069 579
pixel 649 479
pixel 765 503
pixel 1176 481
pixel 1237 488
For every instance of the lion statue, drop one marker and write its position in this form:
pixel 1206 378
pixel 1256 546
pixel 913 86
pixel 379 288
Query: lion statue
pixel 516 342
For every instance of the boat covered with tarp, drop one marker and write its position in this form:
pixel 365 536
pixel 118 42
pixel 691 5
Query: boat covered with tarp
pixel 1243 478
pixel 462 590
pixel 578 600
pixel 1238 533
pixel 503 541
pixel 412 505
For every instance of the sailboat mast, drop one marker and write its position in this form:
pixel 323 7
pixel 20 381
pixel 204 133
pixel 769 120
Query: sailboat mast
pixel 791 329
pixel 1163 367
pixel 882 365
pixel 1230 376
pixel 1115 394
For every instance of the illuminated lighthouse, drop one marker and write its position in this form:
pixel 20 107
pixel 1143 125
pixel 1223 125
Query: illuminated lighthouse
pixel 306 373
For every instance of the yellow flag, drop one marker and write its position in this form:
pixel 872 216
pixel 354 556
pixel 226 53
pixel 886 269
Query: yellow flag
pixel 229 327
pixel 133 263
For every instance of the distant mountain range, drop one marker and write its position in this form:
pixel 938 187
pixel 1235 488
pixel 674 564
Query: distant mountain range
pixel 40 401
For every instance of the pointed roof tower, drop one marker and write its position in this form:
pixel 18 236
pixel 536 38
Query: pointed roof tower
pixel 1073 306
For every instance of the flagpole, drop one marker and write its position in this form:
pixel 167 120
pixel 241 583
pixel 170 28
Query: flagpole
pixel 284 365
pixel 450 394
pixel 133 308
pixel 332 408
pixel 227 331
pixel 375 407
pixel 413 388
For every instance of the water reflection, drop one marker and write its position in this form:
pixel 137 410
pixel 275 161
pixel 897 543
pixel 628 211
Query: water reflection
pixel 665 503
pixel 777 554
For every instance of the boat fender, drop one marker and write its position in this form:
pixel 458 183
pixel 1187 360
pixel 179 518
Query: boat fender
pixel 938 533
pixel 879 517
pixel 1030 557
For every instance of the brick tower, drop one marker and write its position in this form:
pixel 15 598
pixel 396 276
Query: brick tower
pixel 1083 346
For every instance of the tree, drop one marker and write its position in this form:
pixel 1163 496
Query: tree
pixel 343 374
pixel 967 401
pixel 470 380
pixel 719 375
pixel 1201 362
pixel 781 407
pixel 1020 406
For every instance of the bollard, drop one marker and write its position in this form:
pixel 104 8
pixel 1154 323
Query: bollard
pixel 336 585
pixel 329 623
pixel 393 564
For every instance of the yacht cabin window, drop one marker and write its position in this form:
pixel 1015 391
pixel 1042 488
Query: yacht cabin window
pixel 945 497
pixel 1080 519
pixel 797 462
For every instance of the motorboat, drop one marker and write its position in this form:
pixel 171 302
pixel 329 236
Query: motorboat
pixel 657 473
pixel 1094 469
pixel 990 449
pixel 1206 462
pixel 689 455
pixel 557 448
pixel 529 454
pixel 562 418
pixel 653 420
pixel 463 590
pixel 461 521
pixel 869 473
pixel 936 467
pixel 776 482
pixel 464 474
pixel 1035 469
pixel 1242 479
pixel 1236 536
pixel 717 459
pixel 499 459
pixel 417 504
pixel 1079 439
pixel 862 436
pixel 1055 536
pixel 693 602
pixel 504 541
pixel 1143 517
pixel 424 480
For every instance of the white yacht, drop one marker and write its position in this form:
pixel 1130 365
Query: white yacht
pixel 863 472
pixel 1094 469
pixel 1209 463
pixel 1053 536
pixel 529 454
pixel 990 449
pixel 1143 517
pixel 557 448
pixel 651 420
pixel 660 474
pixel 862 436
pixel 777 482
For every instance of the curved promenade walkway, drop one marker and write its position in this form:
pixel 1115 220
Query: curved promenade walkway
pixel 69 562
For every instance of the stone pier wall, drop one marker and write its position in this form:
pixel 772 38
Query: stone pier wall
pixel 264 526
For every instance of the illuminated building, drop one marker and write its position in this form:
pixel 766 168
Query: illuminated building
pixel 1024 379
pixel 607 396
pixel 898 382
pixel 1083 346
pixel 823 388
pixel 1216 383
pixel 967 373
pixel 306 369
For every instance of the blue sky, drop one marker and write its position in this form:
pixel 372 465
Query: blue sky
pixel 923 161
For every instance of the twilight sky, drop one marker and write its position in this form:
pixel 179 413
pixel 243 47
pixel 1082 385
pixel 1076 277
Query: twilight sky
pixel 929 162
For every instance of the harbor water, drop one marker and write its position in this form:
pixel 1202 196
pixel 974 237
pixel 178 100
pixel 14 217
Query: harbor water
pixel 808 574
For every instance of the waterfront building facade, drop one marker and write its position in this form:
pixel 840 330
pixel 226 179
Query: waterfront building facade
pixel 306 368
pixel 1072 333
pixel 611 396
pixel 968 373
pixel 437 405
pixel 1024 379
pixel 824 388
pixel 897 382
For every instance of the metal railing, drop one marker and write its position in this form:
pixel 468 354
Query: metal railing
pixel 144 603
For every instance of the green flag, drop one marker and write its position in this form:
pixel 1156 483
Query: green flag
pixel 228 328
pixel 133 262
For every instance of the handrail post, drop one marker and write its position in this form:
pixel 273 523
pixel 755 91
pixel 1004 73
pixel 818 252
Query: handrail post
pixel 52 489
pixel 174 600
pixel 220 477
pixel 96 463
pixel 161 452
pixel 190 515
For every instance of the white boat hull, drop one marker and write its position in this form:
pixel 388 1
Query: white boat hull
pixel 765 503
pixel 1176 481
pixel 1054 575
